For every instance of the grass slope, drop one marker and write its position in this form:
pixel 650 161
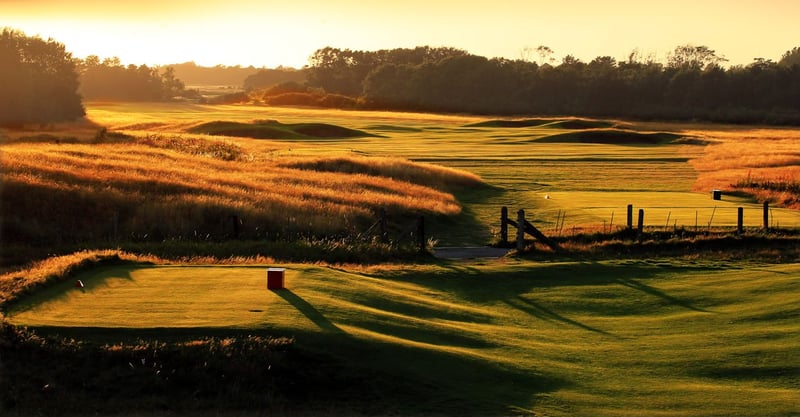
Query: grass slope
pixel 558 339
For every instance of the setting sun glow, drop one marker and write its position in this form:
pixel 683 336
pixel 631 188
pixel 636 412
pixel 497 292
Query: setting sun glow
pixel 273 33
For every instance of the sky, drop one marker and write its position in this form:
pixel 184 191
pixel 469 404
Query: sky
pixel 271 33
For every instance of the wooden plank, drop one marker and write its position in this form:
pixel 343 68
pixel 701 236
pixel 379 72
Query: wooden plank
pixel 533 231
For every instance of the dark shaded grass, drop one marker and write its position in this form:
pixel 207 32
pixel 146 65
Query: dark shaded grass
pixel 611 136
pixel 79 371
pixel 272 129
pixel 358 250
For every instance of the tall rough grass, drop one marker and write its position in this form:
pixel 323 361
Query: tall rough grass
pixel 763 163
pixel 156 187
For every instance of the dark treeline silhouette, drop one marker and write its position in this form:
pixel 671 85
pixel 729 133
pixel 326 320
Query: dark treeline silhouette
pixel 270 77
pixel 109 79
pixel 38 81
pixel 220 75
pixel 692 84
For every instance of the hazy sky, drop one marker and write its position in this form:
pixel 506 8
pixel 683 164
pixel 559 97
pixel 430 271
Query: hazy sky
pixel 271 33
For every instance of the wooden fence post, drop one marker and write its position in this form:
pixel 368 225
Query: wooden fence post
pixel 766 215
pixel 421 234
pixel 740 220
pixel 520 230
pixel 640 227
pixel 630 216
pixel 504 225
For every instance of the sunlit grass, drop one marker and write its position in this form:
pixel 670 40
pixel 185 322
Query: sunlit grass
pixel 176 186
pixel 763 155
pixel 667 210
pixel 646 338
pixel 521 168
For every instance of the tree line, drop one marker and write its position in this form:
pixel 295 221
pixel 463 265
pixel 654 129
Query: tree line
pixel 41 82
pixel 692 84
pixel 109 79
pixel 38 81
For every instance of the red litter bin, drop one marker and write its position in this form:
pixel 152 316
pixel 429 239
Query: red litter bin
pixel 275 278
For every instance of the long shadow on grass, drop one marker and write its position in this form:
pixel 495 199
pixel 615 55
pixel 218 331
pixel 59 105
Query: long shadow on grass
pixel 637 285
pixel 468 227
pixel 384 378
pixel 93 278
pixel 308 310
pixel 511 282
pixel 539 311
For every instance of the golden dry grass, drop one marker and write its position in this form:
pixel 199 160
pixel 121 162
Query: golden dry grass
pixel 738 154
pixel 184 185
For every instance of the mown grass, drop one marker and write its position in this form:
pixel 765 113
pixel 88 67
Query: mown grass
pixel 642 338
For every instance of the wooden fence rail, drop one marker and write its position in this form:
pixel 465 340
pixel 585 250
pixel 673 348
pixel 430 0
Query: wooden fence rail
pixel 523 227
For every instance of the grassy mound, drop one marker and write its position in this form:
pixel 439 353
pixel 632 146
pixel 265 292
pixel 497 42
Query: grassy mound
pixel 578 124
pixel 513 123
pixel 272 129
pixel 612 137
pixel 572 124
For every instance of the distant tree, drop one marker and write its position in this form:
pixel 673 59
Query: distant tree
pixel 791 57
pixel 109 79
pixel 340 71
pixel 38 80
pixel 171 86
pixel 545 54
pixel 345 71
pixel 265 78
pixel 693 57
pixel 691 85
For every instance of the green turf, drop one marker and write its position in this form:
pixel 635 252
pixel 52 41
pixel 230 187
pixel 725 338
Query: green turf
pixel 640 338
pixel 667 209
